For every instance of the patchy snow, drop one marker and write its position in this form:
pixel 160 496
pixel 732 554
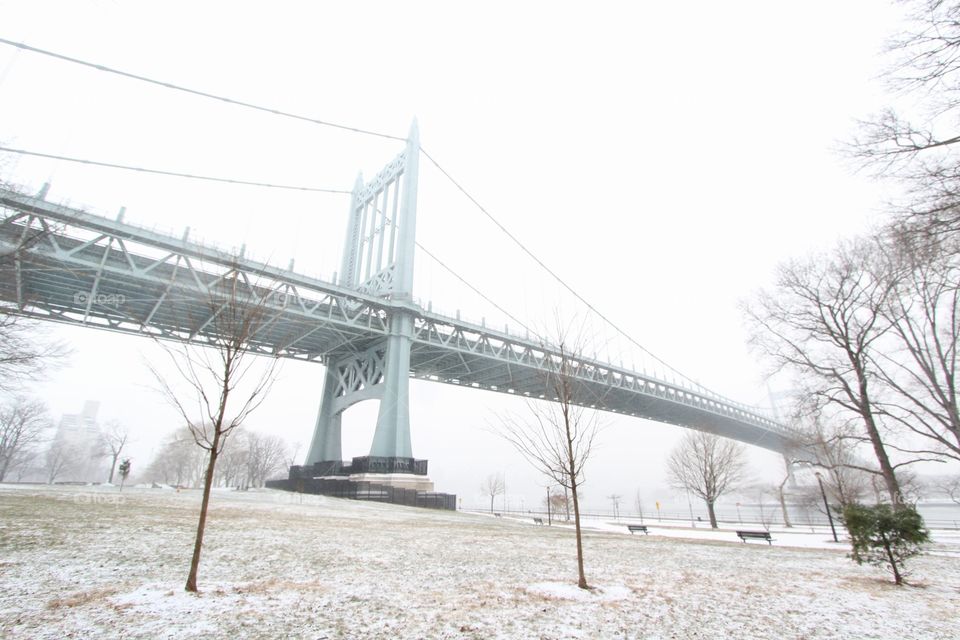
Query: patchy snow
pixel 90 562
pixel 570 591
pixel 945 542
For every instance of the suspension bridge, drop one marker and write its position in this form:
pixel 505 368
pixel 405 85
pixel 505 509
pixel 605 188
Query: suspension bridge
pixel 68 265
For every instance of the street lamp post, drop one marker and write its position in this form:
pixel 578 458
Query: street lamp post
pixel 826 505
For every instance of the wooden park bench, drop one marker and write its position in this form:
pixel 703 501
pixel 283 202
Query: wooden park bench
pixel 637 527
pixel 498 515
pixel 538 521
pixel 755 535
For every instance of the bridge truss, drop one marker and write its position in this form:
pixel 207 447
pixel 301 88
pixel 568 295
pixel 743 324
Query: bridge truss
pixel 67 265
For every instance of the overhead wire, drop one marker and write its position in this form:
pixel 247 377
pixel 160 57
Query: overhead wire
pixel 446 174
pixel 196 92
pixel 548 270
pixel 163 172
pixel 476 290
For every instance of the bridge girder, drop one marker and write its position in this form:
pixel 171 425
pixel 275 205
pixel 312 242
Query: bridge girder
pixel 70 266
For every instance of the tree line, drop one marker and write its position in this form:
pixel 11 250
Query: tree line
pixel 30 451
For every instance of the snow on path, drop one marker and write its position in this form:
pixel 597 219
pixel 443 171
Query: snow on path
pixel 82 562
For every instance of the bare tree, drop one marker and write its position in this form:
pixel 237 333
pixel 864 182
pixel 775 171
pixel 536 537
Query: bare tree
pixel 639 503
pixel 832 445
pixel 493 486
pixel 24 355
pixel 918 366
pixel 24 352
pixel 560 504
pixel 113 440
pixel 822 321
pixel 780 491
pixel 922 156
pixel 707 466
pixel 615 501
pixel 233 465
pixel 179 463
pixel 265 456
pixel 59 457
pixel 558 438
pixel 951 487
pixel 213 375
pixel 22 423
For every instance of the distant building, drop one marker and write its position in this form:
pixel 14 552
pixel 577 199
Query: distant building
pixel 81 435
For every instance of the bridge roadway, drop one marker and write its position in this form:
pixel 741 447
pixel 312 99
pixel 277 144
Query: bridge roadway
pixel 64 264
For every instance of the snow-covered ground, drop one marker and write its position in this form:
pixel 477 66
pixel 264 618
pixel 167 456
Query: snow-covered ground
pixel 87 562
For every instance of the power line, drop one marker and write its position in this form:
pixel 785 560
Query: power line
pixel 475 290
pixel 203 94
pixel 553 274
pixel 169 173
pixel 294 116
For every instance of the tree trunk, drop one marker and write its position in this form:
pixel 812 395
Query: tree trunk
pixel 783 507
pixel 582 579
pixel 207 485
pixel 491 503
pixel 897 578
pixel 886 469
pixel 713 516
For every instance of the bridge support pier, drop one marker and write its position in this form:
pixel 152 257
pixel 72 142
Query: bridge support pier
pixel 377 261
pixel 326 434
pixel 392 436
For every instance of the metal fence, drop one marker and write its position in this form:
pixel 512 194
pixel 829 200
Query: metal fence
pixel 370 491
pixel 360 464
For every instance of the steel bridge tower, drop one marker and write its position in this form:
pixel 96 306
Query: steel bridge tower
pixel 377 260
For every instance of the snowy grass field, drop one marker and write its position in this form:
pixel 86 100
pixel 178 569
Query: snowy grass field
pixel 84 562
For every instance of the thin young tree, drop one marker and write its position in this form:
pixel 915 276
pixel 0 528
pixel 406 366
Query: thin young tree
pixel 22 423
pixel 883 536
pixel 124 471
pixel 223 381
pixel 707 466
pixel 492 486
pixel 558 437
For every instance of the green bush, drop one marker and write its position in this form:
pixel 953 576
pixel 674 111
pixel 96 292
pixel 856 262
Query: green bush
pixel 882 535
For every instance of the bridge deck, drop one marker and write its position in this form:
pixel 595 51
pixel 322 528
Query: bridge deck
pixel 78 268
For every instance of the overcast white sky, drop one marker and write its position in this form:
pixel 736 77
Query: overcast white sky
pixel 661 157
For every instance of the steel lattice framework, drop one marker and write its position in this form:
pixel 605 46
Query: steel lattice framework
pixel 67 265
